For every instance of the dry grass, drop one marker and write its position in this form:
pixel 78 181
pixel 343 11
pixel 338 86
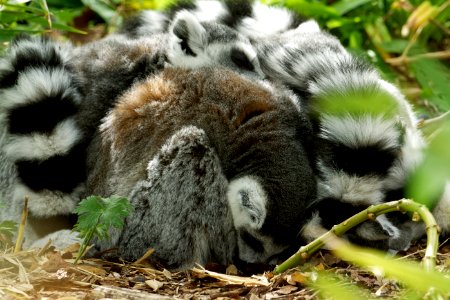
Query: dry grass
pixel 51 274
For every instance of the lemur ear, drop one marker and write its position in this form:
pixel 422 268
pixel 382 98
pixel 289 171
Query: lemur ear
pixel 242 59
pixel 310 26
pixel 247 200
pixel 190 33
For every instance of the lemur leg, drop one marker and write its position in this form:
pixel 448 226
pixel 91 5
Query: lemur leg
pixel 180 209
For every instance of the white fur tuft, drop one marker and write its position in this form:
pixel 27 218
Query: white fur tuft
pixel 154 22
pixel 35 84
pixel 360 190
pixel 42 146
pixel 356 131
pixel 209 10
pixel 309 26
pixel 257 199
pixel 265 21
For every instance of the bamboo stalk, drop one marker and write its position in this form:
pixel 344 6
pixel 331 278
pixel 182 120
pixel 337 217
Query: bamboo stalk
pixel 404 205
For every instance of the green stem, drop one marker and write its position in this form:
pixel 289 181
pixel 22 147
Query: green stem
pixel 87 239
pixel 404 205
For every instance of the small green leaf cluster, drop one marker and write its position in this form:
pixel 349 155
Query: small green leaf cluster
pixel 97 215
pixel 35 17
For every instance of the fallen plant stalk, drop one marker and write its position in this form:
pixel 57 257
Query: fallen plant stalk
pixel 22 225
pixel 420 212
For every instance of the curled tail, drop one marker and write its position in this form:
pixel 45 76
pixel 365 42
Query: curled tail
pixel 39 101
pixel 366 137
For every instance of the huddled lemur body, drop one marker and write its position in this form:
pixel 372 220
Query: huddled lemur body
pixel 362 157
pixel 213 160
pixel 229 132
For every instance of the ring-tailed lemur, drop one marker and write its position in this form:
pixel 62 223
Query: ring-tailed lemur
pixel 40 76
pixel 365 153
pixel 251 18
pixel 364 158
pixel 226 154
pixel 232 154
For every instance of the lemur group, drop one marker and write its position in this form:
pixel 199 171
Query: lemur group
pixel 238 132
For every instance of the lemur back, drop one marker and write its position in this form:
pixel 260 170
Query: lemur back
pixel 245 140
pixel 254 185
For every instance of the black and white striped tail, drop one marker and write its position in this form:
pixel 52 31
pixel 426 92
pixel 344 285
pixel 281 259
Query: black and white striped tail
pixel 38 103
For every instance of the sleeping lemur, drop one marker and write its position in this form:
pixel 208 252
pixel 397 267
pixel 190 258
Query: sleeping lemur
pixel 39 77
pixel 250 18
pixel 290 58
pixel 198 152
pixel 177 142
pixel 364 157
pixel 365 152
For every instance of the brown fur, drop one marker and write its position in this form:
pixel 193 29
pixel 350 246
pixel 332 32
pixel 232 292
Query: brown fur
pixel 254 131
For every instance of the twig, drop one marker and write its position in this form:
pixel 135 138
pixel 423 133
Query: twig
pixel 431 127
pixel 22 225
pixel 403 59
pixel 419 210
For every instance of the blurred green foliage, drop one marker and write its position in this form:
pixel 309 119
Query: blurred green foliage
pixel 403 38
pixel 408 40
pixel 415 282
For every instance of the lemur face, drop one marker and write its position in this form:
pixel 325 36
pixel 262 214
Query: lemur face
pixel 248 203
pixel 194 44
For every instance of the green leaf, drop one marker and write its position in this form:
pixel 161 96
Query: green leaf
pixel 96 216
pixel 14 16
pixel 7 231
pixel 427 183
pixel 67 28
pixel 356 102
pixel 104 9
pixel 344 6
pixel 434 78
pixel 395 46
pixel 311 9
pixel 8 226
pixel 23 8
pixel 67 15
pixel 409 273
pixel 99 215
pixel 356 40
pixel 336 287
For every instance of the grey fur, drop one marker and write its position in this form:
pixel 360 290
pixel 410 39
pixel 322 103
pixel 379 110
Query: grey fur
pixel 239 143
pixel 293 58
pixel 250 18
pixel 174 207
